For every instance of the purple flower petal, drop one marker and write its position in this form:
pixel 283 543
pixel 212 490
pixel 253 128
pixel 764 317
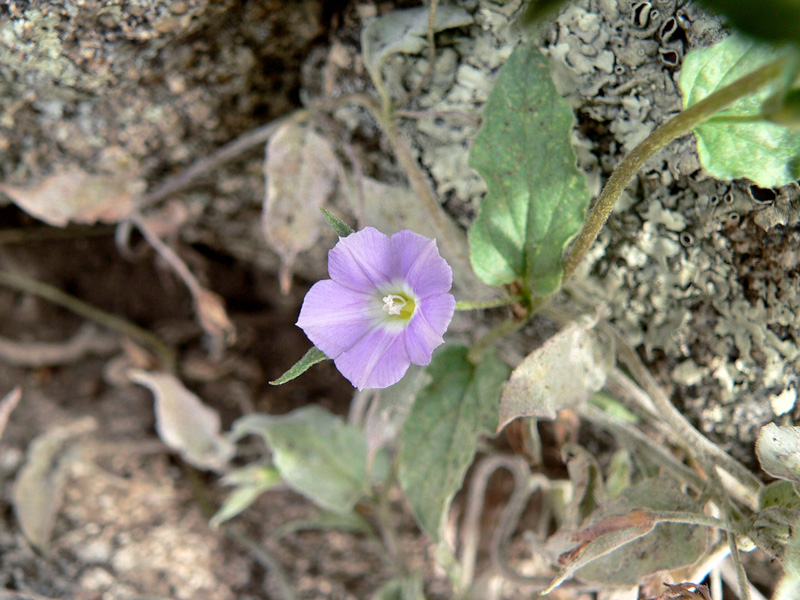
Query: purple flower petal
pixel 418 263
pixel 362 260
pixel 335 317
pixel 438 311
pixel 425 331
pixel 376 361
pixel 420 340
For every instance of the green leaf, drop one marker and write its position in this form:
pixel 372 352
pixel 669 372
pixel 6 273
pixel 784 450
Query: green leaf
pixel 537 198
pixel 738 142
pixel 405 31
pixel 406 588
pixel 309 359
pixel 438 441
pixel 778 493
pixel 538 10
pixel 768 19
pixel 250 482
pixel 341 228
pixel 316 453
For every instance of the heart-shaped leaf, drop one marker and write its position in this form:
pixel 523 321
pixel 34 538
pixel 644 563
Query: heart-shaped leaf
pixel 738 142
pixel 537 198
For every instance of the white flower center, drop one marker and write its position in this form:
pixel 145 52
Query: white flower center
pixel 394 304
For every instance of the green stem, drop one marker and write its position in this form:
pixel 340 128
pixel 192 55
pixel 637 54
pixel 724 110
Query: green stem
pixel 672 129
pixel 736 119
pixel 505 328
pixel 741 576
pixel 690 518
pixel 491 303
pixel 52 294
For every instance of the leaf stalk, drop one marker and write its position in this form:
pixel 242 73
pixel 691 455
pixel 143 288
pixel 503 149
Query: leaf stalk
pixel 676 127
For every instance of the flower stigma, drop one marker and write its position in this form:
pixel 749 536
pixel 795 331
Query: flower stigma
pixel 399 305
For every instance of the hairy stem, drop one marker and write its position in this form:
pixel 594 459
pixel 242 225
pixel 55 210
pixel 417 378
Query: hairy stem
pixel 672 129
pixel 229 151
pixel 491 303
pixel 741 576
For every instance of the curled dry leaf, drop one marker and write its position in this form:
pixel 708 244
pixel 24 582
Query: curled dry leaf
pixel 39 485
pixel 620 544
pixel 214 320
pixel 563 373
pixel 684 591
pixel 7 406
pixel 185 423
pixel 78 197
pixel 404 31
pixel 301 171
pixel 778 451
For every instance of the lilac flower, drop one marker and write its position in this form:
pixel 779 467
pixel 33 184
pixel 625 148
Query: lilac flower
pixel 385 306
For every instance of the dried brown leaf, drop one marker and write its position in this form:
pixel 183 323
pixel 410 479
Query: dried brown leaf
pixel 185 423
pixel 39 485
pixel 7 406
pixel 214 320
pixel 78 197
pixel 301 171
pixel 684 591
pixel 563 373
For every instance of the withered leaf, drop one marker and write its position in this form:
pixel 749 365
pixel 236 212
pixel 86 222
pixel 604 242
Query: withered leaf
pixel 7 406
pixel 563 373
pixel 301 171
pixel 627 538
pixel 78 197
pixel 39 486
pixel 185 423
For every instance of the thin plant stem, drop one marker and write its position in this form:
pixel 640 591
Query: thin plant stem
pixel 165 354
pixel 491 303
pixel 650 445
pixel 701 446
pixel 475 501
pixel 447 233
pixel 387 531
pixel 431 56
pixel 741 576
pixel 228 152
pixel 690 518
pixel 674 128
pixel 235 534
pixel 505 328
pixel 265 559
pixel 25 235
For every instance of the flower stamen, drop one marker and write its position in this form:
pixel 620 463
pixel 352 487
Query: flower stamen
pixel 399 305
pixel 393 304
